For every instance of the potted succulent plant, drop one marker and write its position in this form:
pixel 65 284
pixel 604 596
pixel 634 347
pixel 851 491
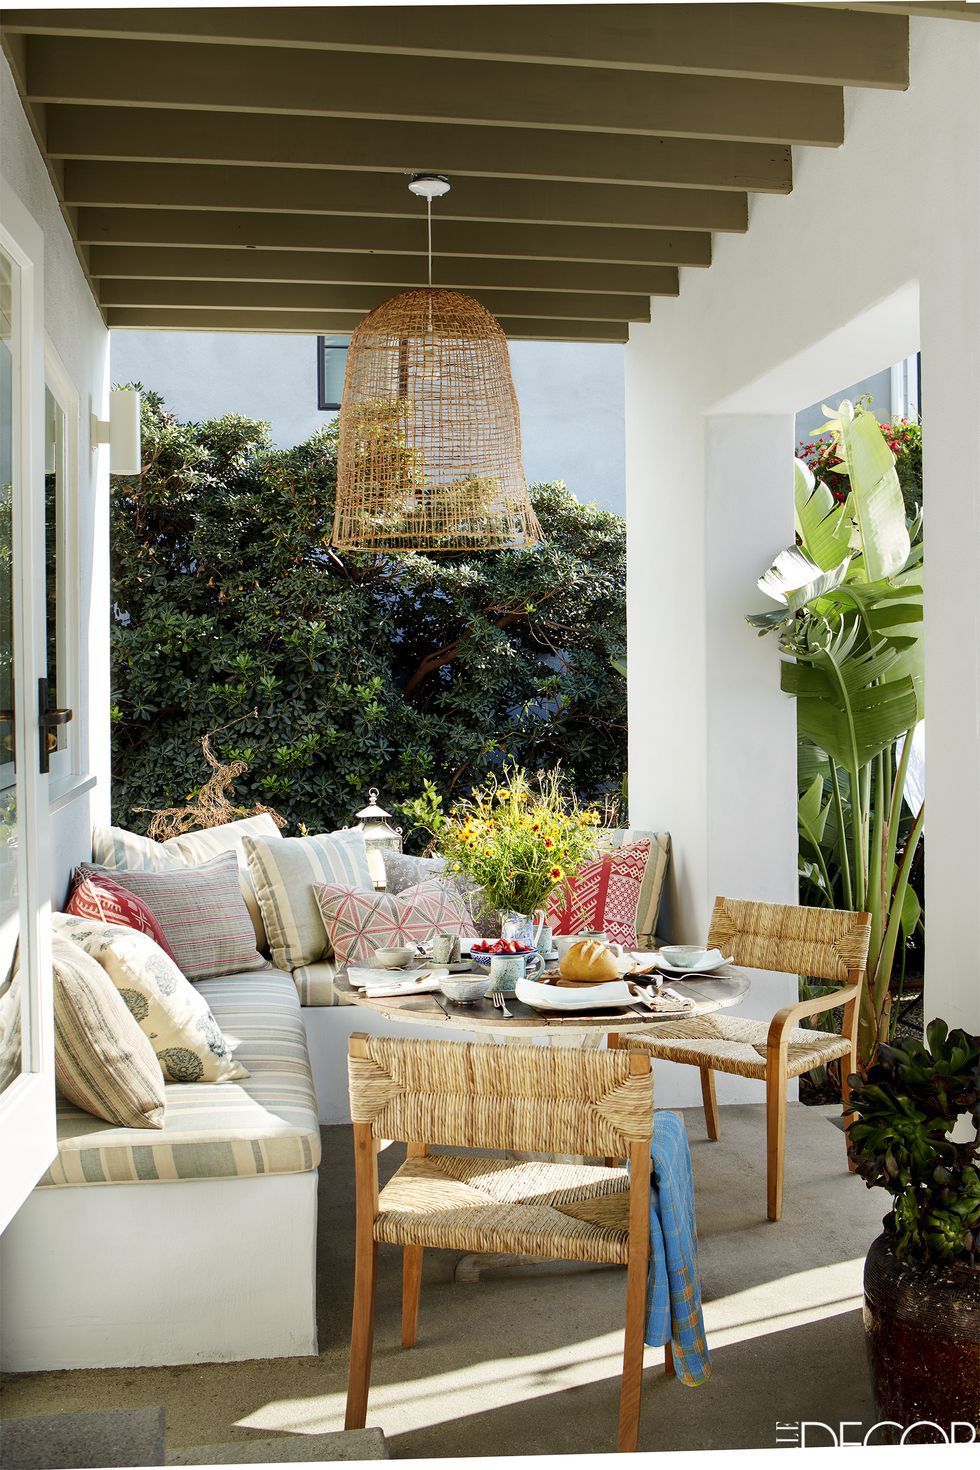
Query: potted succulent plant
pixel 922 1274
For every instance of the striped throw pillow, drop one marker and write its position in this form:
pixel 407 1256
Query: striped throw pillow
pixel 205 843
pixel 201 912
pixel 283 874
pixel 110 903
pixel 114 847
pixel 103 1062
pixel 359 922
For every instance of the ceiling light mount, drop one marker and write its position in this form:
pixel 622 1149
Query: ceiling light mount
pixel 429 186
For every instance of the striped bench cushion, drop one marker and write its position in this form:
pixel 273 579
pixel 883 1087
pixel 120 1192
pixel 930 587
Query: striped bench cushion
pixel 266 1124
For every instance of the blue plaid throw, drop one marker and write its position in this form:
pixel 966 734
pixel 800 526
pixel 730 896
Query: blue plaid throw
pixel 674 1283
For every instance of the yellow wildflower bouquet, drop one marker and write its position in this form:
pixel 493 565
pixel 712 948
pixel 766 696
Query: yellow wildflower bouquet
pixel 520 842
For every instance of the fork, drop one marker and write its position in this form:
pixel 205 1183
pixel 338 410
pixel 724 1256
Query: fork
pixel 501 1005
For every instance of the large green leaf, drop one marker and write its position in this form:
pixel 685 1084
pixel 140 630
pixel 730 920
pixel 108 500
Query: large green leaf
pixel 812 812
pixel 796 580
pixel 823 526
pixel 875 501
pixel 844 703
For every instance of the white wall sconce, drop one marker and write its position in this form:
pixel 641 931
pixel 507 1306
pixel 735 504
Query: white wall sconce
pixel 121 431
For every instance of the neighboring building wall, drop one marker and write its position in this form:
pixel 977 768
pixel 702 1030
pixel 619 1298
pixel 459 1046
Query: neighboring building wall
pixel 571 396
pixel 76 332
pixel 878 387
pixel 713 387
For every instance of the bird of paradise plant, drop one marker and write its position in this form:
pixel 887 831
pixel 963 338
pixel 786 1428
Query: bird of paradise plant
pixel 849 625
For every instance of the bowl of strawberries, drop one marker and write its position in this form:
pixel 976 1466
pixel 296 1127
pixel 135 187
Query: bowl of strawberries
pixel 506 960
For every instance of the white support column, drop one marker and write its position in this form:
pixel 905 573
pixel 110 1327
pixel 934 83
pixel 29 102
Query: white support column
pixel 950 316
pixel 750 785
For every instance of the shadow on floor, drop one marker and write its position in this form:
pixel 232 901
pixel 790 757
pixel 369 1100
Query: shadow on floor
pixel 529 1364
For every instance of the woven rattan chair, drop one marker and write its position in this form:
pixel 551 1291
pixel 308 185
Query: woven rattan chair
pixel 525 1098
pixel 824 944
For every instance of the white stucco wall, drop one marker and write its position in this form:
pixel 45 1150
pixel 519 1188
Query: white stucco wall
pixel 76 332
pixel 571 396
pixel 786 312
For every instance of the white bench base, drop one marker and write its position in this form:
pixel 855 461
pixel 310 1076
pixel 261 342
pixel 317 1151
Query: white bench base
pixel 141 1275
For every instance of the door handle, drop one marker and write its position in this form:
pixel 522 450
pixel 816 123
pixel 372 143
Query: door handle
pixel 48 720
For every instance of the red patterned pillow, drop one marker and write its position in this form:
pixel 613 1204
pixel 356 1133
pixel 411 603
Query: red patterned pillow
pixel 604 894
pixel 110 903
pixel 358 921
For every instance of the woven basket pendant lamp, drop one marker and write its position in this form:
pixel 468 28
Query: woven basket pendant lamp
pixel 430 435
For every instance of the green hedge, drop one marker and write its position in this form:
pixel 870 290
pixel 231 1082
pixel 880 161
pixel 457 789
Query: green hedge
pixel 363 670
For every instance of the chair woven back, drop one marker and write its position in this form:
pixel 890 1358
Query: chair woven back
pixel 477 1095
pixel 825 944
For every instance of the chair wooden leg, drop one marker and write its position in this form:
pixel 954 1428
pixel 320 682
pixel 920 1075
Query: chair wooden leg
pixel 669 1368
pixel 710 1100
pixel 362 1336
pixel 411 1291
pixel 365 1267
pixel 636 1305
pixel 775 1134
pixel 849 1065
pixel 614 1042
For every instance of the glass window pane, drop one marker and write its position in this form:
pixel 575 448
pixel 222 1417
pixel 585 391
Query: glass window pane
pixel 11 1000
pixel 55 485
pixel 334 363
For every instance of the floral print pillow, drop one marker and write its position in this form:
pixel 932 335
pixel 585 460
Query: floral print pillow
pixel 189 1044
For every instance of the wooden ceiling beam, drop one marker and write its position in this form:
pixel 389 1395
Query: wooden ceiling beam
pixel 764 41
pixel 162 319
pixel 317 192
pixel 155 136
pixel 929 9
pixel 331 268
pixel 253 295
pixel 425 89
pixel 187 228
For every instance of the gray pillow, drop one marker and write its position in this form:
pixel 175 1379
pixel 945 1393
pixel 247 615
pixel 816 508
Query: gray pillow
pixel 402 871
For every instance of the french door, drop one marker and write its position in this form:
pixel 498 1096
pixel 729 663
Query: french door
pixel 27 1110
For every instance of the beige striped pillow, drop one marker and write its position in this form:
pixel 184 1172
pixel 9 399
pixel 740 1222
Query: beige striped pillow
pixel 104 1064
pixel 114 847
pixel 283 873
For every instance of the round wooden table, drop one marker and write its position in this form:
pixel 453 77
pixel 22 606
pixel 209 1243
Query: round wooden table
pixel 715 992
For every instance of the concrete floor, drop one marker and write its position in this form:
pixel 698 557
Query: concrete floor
pixel 528 1364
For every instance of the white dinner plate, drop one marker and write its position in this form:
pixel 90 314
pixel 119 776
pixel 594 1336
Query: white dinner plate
pixel 676 974
pixel 560 998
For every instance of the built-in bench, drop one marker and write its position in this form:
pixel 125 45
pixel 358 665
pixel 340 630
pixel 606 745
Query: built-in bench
pixel 192 1244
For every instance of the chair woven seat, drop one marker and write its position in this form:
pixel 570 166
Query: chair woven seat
pixel 572 1212
pixel 737 1044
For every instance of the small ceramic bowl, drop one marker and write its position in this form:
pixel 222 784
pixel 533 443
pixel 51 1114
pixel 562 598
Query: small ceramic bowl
pixel 464 989
pixel 393 959
pixel 482 957
pixel 684 956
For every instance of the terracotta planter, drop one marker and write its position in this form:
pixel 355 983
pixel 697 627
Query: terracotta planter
pixel 922 1326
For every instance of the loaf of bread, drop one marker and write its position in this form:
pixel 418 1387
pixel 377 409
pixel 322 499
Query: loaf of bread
pixel 588 963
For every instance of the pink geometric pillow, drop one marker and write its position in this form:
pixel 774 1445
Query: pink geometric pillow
pixel 604 894
pixel 108 902
pixel 358 921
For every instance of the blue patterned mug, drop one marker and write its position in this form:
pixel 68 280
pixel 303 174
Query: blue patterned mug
pixel 507 969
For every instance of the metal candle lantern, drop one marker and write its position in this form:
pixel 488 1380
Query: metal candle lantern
pixel 378 836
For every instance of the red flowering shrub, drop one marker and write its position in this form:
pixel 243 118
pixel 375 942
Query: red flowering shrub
pixel 904 439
